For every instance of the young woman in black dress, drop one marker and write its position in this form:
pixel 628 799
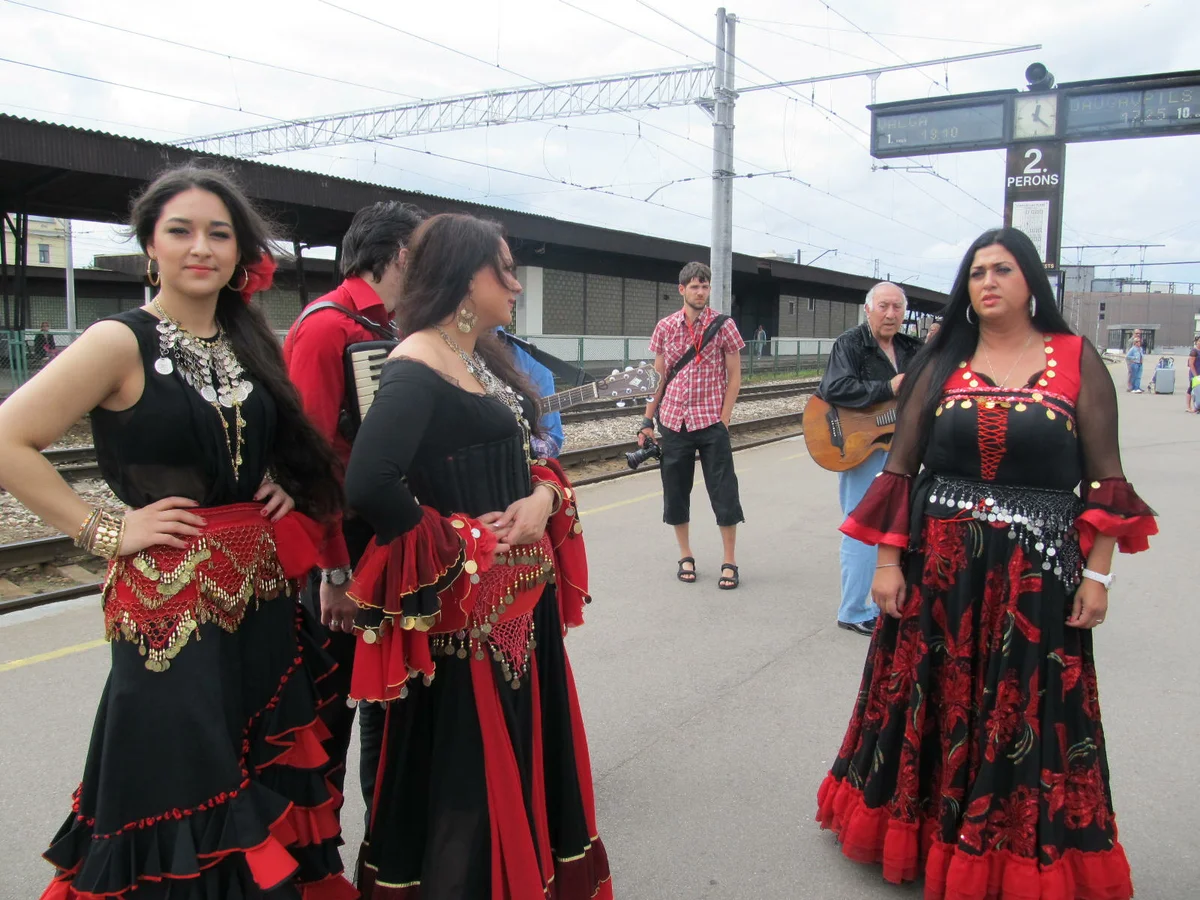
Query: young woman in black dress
pixel 484 790
pixel 975 755
pixel 203 775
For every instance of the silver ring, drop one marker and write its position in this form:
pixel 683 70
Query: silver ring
pixel 335 623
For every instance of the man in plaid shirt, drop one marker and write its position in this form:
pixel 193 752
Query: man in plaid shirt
pixel 693 415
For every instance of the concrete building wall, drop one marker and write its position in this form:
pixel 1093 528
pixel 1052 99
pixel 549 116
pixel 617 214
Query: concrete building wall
pixel 1174 314
pixel 641 306
pixel 605 305
pixel 562 302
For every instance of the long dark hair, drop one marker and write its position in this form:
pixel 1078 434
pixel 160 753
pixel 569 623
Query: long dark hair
pixel 303 462
pixel 956 340
pixel 444 253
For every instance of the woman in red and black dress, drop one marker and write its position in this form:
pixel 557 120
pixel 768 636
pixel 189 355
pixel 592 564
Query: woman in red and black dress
pixel 203 778
pixel 975 756
pixel 484 789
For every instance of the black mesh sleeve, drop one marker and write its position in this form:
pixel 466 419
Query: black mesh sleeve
pixel 1096 415
pixel 912 433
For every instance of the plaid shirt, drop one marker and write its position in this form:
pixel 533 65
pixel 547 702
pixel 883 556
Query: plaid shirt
pixel 695 396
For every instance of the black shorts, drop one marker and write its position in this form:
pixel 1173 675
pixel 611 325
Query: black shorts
pixel 678 470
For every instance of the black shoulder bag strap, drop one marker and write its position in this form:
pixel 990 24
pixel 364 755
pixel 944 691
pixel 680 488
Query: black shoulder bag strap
pixel 568 372
pixel 383 332
pixel 691 353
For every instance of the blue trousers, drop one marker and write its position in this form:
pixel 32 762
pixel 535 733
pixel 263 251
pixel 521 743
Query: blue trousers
pixel 858 559
pixel 1135 376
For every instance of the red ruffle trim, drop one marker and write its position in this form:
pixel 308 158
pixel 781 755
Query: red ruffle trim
pixel 1115 509
pixel 428 556
pixel 908 850
pixel 566 537
pixel 883 515
pixel 177 838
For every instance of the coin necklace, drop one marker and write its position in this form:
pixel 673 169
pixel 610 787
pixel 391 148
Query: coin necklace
pixel 987 356
pixel 494 386
pixel 211 369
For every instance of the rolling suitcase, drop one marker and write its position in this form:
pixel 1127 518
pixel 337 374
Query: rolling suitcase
pixel 1164 377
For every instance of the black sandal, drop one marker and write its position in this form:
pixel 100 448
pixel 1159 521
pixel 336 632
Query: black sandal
pixel 726 583
pixel 687 576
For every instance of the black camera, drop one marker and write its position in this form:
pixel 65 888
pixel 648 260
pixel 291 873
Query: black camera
pixel 649 450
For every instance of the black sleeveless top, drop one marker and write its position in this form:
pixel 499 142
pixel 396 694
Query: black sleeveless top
pixel 171 443
pixel 427 441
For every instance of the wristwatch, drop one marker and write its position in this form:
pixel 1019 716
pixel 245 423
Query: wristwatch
pixel 337 577
pixel 1105 580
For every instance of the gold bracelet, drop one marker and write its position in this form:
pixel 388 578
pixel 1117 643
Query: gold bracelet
pixel 109 532
pixel 559 497
pixel 84 532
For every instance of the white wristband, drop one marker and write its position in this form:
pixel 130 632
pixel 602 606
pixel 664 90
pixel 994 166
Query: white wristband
pixel 1105 580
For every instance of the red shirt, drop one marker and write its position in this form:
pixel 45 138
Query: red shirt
pixel 696 395
pixel 314 354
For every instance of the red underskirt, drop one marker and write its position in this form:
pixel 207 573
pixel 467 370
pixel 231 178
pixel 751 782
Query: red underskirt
pixel 909 850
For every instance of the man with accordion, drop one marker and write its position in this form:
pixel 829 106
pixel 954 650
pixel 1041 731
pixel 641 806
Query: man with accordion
pixel 329 351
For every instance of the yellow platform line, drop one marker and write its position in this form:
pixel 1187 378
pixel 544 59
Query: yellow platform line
pixel 52 654
pixel 620 503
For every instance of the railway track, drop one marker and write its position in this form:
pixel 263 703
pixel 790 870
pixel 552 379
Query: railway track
pixel 590 465
pixel 80 462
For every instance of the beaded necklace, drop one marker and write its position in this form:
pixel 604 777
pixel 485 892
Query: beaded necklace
pixel 211 368
pixel 493 385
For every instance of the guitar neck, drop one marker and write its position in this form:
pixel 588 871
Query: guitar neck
pixel 571 397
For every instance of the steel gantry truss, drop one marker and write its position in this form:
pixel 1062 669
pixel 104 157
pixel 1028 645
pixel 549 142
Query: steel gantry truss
pixel 656 89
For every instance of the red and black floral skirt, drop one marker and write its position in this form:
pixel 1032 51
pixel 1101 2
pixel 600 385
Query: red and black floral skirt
pixel 975 756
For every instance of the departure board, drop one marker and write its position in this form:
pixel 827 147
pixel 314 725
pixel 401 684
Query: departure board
pixel 1098 114
pixel 946 129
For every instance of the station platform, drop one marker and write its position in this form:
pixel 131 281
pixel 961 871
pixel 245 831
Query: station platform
pixel 713 716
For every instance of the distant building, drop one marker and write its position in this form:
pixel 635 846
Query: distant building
pixel 47 242
pixel 1171 307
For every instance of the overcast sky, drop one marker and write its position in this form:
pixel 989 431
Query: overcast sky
pixel 915 223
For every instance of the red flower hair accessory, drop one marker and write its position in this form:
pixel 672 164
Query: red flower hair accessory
pixel 259 276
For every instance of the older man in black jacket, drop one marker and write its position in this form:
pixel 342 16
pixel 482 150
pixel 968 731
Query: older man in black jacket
pixel 866 367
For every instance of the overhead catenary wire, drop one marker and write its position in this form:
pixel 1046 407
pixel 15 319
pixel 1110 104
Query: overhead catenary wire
pixel 571 185
pixel 185 46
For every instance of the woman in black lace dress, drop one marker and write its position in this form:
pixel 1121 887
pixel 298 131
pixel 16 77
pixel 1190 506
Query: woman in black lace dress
pixel 203 778
pixel 477 568
pixel 975 756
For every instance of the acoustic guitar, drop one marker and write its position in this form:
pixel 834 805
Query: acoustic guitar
pixel 839 439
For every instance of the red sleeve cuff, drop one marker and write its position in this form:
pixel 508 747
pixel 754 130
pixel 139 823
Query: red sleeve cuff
pixel 566 537
pixel 1113 508
pixel 400 588
pixel 883 515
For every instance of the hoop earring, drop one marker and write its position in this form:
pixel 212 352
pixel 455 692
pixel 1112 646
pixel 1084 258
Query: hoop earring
pixel 969 319
pixel 155 278
pixel 245 280
pixel 1032 306
pixel 466 320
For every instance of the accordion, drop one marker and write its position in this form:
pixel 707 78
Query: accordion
pixel 364 367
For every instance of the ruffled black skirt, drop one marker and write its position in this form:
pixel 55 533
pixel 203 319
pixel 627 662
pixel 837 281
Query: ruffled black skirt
pixel 204 781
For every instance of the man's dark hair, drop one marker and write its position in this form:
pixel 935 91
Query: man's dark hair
pixel 376 235
pixel 694 270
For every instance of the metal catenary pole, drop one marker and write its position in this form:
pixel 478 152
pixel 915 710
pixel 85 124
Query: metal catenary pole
pixel 721 253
